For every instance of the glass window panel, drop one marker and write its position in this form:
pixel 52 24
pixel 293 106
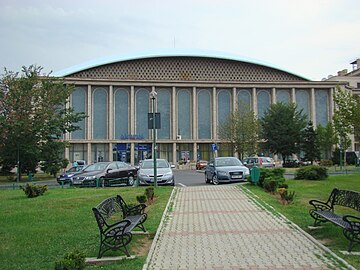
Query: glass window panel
pixel 302 101
pixel 163 107
pixel 100 106
pixel 223 105
pixel 283 96
pixel 79 104
pixel 184 114
pixel 263 102
pixel 321 103
pixel 244 98
pixel 142 110
pixel 121 111
pixel 204 116
pixel 99 152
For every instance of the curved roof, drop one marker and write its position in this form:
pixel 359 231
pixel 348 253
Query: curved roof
pixel 165 53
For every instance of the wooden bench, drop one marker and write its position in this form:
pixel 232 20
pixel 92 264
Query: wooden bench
pixel 324 212
pixel 116 235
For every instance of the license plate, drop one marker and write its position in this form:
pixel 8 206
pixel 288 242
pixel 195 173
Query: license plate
pixel 236 176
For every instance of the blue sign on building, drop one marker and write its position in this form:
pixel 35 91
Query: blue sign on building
pixel 214 147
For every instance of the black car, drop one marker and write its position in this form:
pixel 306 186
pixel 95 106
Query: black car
pixel 66 177
pixel 225 169
pixel 106 174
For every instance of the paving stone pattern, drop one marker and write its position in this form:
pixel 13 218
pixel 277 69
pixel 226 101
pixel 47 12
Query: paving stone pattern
pixel 219 227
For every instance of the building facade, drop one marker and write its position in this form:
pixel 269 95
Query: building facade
pixel 351 79
pixel 196 90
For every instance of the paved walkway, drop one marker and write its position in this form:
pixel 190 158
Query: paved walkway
pixel 220 227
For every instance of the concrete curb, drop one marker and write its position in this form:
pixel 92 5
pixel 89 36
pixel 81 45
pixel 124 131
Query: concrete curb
pixel 256 199
pixel 158 231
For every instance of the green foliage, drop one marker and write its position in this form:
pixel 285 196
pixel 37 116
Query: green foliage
pixel 74 260
pixel 149 193
pixel 309 143
pixel 272 183
pixel 34 190
pixel 141 198
pixel 326 163
pixel 345 112
pixel 241 130
pixel 311 173
pixel 265 173
pixel 281 129
pixel 286 196
pixel 326 139
pixel 33 118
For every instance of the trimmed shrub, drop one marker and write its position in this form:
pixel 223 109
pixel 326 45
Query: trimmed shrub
pixel 272 183
pixel 265 173
pixel 149 193
pixel 311 173
pixel 141 198
pixel 34 190
pixel 72 261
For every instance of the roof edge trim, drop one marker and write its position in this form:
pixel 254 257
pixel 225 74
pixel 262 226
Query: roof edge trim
pixel 165 53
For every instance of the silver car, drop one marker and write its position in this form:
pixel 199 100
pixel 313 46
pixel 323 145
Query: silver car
pixel 225 169
pixel 165 175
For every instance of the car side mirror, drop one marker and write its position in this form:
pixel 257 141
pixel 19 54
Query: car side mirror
pixel 172 166
pixel 108 170
pixel 211 164
pixel 245 163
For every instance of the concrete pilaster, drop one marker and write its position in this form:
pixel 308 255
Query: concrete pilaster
pixel 313 106
pixel 111 114
pixel 194 125
pixel 89 113
pixel 254 101
pixel 214 114
pixel 293 95
pixel 273 95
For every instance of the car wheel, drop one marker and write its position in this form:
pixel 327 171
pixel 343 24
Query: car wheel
pixel 207 181
pixel 215 180
pixel 131 180
pixel 103 182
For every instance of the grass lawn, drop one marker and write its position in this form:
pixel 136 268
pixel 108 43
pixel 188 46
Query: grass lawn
pixel 36 232
pixel 298 211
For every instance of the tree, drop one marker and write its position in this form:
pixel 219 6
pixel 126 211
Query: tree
pixel 345 117
pixel 33 118
pixel 326 139
pixel 309 144
pixel 240 130
pixel 281 129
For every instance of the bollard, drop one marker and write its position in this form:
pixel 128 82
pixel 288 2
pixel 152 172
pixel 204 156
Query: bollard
pixel 97 182
pixel 62 184
pixel 137 181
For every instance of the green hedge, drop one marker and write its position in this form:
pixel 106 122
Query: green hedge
pixel 311 173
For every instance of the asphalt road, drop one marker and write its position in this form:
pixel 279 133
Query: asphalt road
pixel 189 177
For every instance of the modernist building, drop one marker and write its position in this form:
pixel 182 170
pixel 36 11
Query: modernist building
pixel 196 90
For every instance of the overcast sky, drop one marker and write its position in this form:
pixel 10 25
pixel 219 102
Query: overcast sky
pixel 313 38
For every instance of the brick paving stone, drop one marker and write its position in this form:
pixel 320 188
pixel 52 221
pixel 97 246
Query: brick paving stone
pixel 220 227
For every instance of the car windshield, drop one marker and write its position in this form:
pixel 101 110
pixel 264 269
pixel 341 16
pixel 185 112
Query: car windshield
pixel 72 169
pixel 96 167
pixel 222 162
pixel 149 164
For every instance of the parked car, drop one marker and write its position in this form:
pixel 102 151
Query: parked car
pixel 225 169
pixel 107 173
pixel 201 164
pixel 165 175
pixel 66 177
pixel 261 162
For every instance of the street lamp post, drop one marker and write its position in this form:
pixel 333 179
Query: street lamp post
pixel 153 97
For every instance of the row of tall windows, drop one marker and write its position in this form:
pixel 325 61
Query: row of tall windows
pixel 183 107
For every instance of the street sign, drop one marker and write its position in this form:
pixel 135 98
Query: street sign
pixel 157 121
pixel 214 147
